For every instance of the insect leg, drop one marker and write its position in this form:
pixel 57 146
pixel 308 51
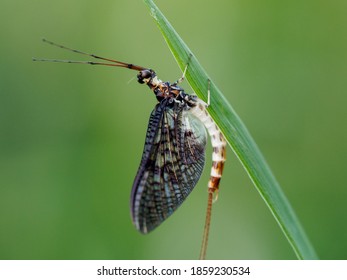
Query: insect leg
pixel 208 92
pixel 180 80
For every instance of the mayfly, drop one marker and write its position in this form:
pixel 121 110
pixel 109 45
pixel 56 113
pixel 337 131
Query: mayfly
pixel 174 152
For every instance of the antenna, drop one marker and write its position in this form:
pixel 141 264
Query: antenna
pixel 115 63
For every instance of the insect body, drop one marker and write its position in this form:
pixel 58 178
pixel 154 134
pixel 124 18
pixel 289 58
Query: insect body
pixel 174 151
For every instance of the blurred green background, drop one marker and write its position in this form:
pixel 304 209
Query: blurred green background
pixel 71 136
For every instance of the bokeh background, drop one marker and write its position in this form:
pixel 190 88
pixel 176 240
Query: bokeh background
pixel 71 136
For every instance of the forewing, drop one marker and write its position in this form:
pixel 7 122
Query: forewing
pixel 172 163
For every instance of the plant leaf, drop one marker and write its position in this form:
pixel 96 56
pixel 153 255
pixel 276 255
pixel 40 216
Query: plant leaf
pixel 238 138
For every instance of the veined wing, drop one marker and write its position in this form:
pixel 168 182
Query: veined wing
pixel 172 163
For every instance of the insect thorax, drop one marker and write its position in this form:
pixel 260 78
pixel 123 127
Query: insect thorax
pixel 166 91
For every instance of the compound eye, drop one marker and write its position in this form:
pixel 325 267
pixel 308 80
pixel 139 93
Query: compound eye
pixel 144 74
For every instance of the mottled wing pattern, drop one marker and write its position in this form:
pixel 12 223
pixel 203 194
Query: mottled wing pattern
pixel 172 163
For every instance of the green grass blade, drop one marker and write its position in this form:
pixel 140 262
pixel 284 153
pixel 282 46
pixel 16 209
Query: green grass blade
pixel 238 138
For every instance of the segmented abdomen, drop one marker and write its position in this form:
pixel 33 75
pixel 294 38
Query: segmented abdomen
pixel 218 144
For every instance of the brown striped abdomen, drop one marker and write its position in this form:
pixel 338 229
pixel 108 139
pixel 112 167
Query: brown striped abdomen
pixel 218 144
